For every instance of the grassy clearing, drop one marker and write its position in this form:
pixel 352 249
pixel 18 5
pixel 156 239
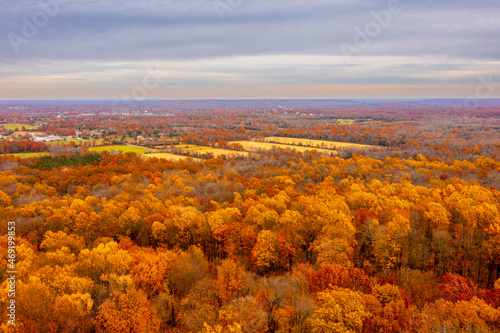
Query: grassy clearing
pixel 219 151
pixel 169 156
pixel 193 147
pixel 216 151
pixel 83 140
pixel 314 143
pixel 127 138
pixel 122 148
pixel 89 141
pixel 254 146
pixel 346 121
pixel 60 142
pixel 13 126
pixel 76 141
pixel 27 155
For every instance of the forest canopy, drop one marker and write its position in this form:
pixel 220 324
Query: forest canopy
pixel 405 239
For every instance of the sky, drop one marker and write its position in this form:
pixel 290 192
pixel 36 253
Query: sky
pixel 212 49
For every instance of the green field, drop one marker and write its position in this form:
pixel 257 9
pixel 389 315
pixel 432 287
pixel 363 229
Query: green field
pixel 127 138
pixel 83 140
pixel 18 126
pixel 122 148
pixel 346 121
pixel 169 156
pixel 76 141
pixel 27 155
pixel 193 147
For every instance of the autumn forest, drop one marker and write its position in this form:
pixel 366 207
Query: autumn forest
pixel 250 216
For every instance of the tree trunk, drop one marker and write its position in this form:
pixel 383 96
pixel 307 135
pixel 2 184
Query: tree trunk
pixel 491 281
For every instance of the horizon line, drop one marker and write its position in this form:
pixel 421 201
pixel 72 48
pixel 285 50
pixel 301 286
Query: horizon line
pixel 247 99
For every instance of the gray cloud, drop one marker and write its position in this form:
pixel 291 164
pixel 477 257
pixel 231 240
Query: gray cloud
pixel 425 42
pixel 133 30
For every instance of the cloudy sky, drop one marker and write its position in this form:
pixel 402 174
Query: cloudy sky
pixel 190 49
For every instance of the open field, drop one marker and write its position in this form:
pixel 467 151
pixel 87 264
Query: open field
pixel 13 126
pixel 76 141
pixel 85 140
pixel 346 121
pixel 60 142
pixel 122 148
pixel 127 138
pixel 27 155
pixel 255 145
pixel 219 151
pixel 193 147
pixel 169 156
pixel 216 151
pixel 314 143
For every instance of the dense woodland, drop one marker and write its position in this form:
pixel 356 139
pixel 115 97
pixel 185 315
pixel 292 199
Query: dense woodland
pixel 402 238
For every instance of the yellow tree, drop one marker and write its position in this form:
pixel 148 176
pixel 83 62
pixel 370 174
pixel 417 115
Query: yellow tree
pixel 436 216
pixel 390 243
pixel 183 225
pixel 338 311
pixel 230 281
pixel 463 316
pixel 222 217
pixel 129 221
pixel 103 260
pixel 324 213
pixel 35 307
pixel 199 307
pixel 149 270
pixel 63 280
pixel 72 312
pixel 246 312
pixel 57 240
pixel 159 232
pixel 289 223
pixel 5 200
pixel 128 310
pixel 187 269
pixel 265 253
